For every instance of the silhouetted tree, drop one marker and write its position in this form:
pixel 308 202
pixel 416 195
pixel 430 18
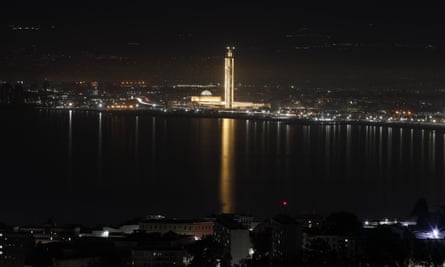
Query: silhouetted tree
pixel 319 253
pixel 342 223
pixel 421 211
pixel 262 243
pixel 428 252
pixel 437 250
pixel 207 252
pixel 39 257
pixel 382 247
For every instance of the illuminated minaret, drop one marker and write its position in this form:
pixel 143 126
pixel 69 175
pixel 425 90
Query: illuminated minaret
pixel 229 77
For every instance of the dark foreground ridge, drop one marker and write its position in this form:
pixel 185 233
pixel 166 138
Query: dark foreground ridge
pixel 340 239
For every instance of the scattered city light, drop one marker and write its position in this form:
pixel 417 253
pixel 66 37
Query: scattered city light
pixel 251 251
pixel 435 233
pixel 105 234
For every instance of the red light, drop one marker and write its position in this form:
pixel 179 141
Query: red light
pixel 284 203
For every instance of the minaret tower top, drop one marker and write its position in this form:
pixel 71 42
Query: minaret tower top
pixel 230 51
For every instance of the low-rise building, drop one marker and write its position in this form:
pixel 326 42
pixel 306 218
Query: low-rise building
pixel 50 233
pixel 286 238
pixel 197 228
pixel 342 245
pixel 14 247
pixel 156 249
pixel 234 237
pixel 158 257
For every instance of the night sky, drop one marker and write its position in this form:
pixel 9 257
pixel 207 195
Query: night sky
pixel 333 45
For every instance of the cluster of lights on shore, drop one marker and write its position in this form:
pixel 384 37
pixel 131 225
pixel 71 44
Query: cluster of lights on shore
pixel 433 233
pixel 228 105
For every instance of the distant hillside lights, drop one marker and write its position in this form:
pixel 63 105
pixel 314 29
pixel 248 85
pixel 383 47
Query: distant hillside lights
pixel 24 28
pixel 130 84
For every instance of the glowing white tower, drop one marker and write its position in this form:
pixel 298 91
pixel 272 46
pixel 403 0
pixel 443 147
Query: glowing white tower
pixel 229 77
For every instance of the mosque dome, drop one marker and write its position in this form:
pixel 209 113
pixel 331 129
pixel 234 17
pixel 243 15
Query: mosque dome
pixel 206 93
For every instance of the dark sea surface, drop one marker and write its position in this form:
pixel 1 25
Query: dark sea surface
pixel 91 167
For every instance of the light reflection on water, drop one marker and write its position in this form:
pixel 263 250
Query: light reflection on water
pixel 69 169
pixel 227 166
pixel 99 148
pixel 135 165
